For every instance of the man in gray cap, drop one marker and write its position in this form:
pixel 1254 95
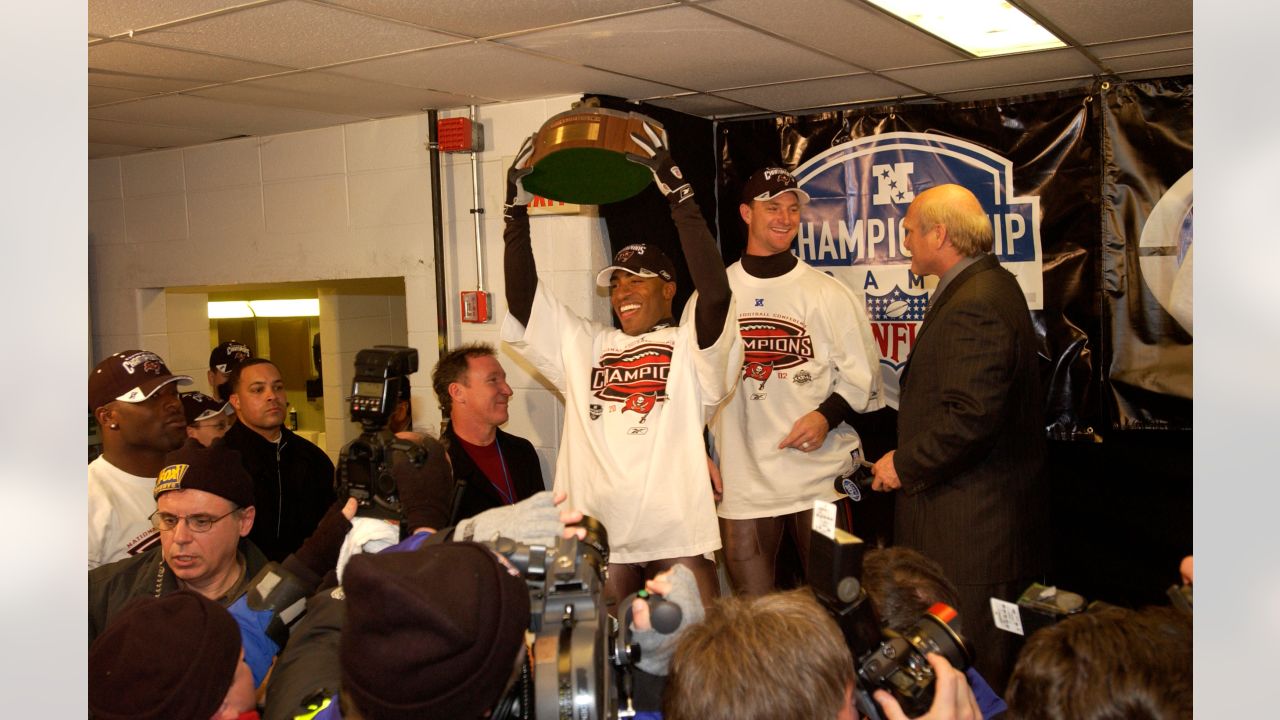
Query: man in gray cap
pixel 134 398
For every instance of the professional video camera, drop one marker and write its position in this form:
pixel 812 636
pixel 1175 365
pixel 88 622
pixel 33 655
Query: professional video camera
pixel 882 658
pixel 364 465
pixel 581 655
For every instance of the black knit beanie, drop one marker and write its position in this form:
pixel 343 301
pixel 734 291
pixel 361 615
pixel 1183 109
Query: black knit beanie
pixel 432 633
pixel 165 658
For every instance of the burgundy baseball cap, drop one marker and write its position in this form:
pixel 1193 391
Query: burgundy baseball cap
pixel 130 376
pixel 639 259
pixel 197 406
pixel 769 183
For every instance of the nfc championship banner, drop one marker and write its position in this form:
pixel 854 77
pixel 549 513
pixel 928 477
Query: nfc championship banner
pixel 852 227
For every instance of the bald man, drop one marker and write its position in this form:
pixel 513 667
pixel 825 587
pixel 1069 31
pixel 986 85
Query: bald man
pixel 968 466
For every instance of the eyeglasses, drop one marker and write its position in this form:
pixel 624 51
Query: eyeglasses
pixel 195 523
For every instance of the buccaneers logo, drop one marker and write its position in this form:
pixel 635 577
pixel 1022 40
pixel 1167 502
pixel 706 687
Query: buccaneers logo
pixel 772 344
pixel 635 377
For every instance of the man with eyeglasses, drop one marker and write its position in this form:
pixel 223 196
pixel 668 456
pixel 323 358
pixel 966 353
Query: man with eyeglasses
pixel 204 510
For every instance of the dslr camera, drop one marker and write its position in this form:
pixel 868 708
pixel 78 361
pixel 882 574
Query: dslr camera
pixel 580 665
pixel 364 465
pixel 882 658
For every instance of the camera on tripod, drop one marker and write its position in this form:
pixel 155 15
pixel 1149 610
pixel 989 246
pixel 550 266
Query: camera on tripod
pixel 883 658
pixel 580 663
pixel 364 465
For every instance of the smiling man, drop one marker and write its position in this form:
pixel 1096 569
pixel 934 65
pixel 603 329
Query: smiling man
pixel 134 398
pixel 810 362
pixel 496 467
pixel 636 399
pixel 292 478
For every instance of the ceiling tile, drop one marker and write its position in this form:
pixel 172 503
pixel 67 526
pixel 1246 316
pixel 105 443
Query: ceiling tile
pixel 112 17
pixel 682 46
pixel 1095 21
pixel 1181 41
pixel 99 95
pixel 187 69
pixel 144 135
pixel 789 97
pixel 491 70
pixel 705 105
pixel 1014 91
pixel 857 33
pixel 329 93
pixel 101 150
pixel 225 117
pixel 1044 66
pixel 485 18
pixel 297 34
pixel 1150 61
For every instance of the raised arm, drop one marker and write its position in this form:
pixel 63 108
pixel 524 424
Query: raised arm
pixel 519 269
pixel 700 253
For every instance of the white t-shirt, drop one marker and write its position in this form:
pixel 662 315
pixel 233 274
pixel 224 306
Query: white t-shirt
pixel 119 507
pixel 805 335
pixel 631 452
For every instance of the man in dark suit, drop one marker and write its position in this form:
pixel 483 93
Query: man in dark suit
pixel 494 468
pixel 970 438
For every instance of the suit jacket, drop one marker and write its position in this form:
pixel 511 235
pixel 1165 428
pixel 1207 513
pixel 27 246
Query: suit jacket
pixel 970 433
pixel 479 494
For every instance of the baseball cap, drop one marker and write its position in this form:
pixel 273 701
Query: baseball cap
pixel 130 376
pixel 640 259
pixel 228 355
pixel 197 406
pixel 201 646
pixel 769 183
pixel 215 469
pixel 432 633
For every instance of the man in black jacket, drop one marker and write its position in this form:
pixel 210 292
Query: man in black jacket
pixel 494 468
pixel 292 478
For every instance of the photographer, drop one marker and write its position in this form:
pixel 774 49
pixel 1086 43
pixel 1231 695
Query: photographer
pixel 902 585
pixel 1110 662
pixel 781 657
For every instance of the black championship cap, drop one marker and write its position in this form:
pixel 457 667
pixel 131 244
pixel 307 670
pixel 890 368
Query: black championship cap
pixel 197 406
pixel 639 259
pixel 769 183
pixel 129 376
pixel 228 355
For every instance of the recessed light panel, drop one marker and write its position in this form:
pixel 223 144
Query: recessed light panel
pixel 981 27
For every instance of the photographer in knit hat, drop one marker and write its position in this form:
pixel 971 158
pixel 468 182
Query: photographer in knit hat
pixel 201 674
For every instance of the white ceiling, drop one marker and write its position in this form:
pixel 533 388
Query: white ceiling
pixel 170 73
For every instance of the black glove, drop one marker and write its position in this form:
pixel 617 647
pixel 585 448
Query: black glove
pixel 517 196
pixel 666 174
pixel 426 491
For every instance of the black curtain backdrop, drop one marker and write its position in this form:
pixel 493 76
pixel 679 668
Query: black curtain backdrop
pixel 1115 363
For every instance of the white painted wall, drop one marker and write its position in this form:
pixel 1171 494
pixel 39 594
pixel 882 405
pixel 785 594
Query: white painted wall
pixel 336 203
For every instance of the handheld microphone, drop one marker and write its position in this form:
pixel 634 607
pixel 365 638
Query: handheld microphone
pixel 856 480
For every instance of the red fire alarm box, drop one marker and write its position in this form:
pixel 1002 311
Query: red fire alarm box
pixel 459 135
pixel 475 306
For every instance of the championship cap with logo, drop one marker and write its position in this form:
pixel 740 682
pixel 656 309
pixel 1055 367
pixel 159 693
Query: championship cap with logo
pixel 228 355
pixel 130 376
pixel 640 259
pixel 197 406
pixel 769 183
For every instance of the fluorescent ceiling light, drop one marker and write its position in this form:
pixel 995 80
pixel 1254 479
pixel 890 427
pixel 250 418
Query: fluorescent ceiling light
pixel 229 310
pixel 307 307
pixel 982 27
